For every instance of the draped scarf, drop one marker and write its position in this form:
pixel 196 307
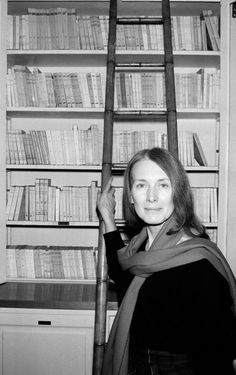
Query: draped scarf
pixel 167 251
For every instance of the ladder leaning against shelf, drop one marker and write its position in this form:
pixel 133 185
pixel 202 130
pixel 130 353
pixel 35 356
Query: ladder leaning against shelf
pixel 171 119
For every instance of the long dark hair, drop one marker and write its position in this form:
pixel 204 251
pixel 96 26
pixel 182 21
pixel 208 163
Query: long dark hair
pixel 184 214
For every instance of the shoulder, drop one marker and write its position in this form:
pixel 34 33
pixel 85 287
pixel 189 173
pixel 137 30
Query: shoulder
pixel 203 275
pixel 211 261
pixel 204 268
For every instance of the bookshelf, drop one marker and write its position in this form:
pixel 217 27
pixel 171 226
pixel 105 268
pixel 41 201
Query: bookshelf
pixel 25 112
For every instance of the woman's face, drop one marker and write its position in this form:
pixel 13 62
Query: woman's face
pixel 151 192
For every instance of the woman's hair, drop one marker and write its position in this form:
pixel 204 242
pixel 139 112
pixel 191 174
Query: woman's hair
pixel 184 214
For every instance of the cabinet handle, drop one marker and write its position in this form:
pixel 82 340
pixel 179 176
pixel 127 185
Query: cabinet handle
pixel 44 322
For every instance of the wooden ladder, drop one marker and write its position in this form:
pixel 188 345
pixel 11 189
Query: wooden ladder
pixel 109 116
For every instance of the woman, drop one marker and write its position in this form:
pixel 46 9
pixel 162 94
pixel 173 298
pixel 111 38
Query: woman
pixel 176 291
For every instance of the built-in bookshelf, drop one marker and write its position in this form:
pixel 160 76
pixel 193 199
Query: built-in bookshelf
pixel 55 58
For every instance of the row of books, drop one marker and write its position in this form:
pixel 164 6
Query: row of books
pixel 55 147
pixel 126 143
pixel 44 202
pixel 84 146
pixel 26 88
pixel 62 28
pixel 51 262
pixel 143 90
pixel 199 90
pixel 206 204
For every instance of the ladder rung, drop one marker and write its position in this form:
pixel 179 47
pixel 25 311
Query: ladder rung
pixel 119 166
pixel 139 112
pixel 139 20
pixel 140 66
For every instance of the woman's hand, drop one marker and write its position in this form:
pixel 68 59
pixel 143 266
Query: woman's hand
pixel 106 205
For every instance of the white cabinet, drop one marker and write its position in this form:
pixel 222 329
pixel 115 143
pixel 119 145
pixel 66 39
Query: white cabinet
pixel 46 342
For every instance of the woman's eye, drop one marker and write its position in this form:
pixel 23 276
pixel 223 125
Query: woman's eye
pixel 164 186
pixel 140 186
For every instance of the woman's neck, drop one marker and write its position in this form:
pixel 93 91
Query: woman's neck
pixel 152 232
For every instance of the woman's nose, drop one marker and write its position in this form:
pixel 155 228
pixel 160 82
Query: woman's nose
pixel 152 194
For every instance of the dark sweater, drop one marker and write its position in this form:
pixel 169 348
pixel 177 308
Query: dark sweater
pixel 185 309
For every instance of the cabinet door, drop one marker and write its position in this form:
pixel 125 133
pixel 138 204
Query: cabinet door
pixel 46 351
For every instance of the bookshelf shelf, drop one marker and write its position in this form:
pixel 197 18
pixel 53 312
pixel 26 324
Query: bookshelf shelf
pixel 53 280
pixel 97 168
pixel 58 52
pixel 95 52
pixel 46 167
pixel 54 110
pixel 211 225
pixel 85 224
pixel 121 112
pixel 67 224
pixel 74 113
pixel 152 115
pixel 213 169
pixel 174 1
pixel 202 169
pixel 79 57
pixel 150 112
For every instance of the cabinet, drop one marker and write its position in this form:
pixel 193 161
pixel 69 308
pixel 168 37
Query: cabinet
pixel 66 232
pixel 46 342
pixel 35 341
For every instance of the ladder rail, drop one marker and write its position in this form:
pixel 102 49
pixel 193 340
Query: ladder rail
pixel 172 132
pixel 102 277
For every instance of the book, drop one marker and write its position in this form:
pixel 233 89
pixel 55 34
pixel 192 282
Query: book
pixel 76 90
pixel 212 43
pixel 13 202
pixel 65 263
pixel 93 191
pixel 79 263
pixel 198 151
pixel 31 204
pixel 10 194
pixel 19 213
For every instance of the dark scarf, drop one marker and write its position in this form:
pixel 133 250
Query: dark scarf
pixel 165 252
